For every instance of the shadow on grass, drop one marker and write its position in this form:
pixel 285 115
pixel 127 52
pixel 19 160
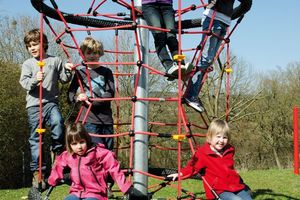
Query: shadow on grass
pixel 262 192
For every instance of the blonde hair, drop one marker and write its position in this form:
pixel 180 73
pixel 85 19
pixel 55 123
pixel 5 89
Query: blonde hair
pixel 34 36
pixel 91 45
pixel 76 132
pixel 217 126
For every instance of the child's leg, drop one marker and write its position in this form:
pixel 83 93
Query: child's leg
pixel 71 197
pixel 245 194
pixel 212 43
pixel 108 129
pixel 172 42
pixel 109 144
pixel 229 196
pixel 54 119
pixel 153 17
pixel 33 121
pixel 210 49
pixel 168 16
pixel 195 84
pixel 95 129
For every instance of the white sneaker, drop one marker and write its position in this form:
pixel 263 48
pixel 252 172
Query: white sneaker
pixel 195 103
pixel 173 70
pixel 185 69
pixel 188 67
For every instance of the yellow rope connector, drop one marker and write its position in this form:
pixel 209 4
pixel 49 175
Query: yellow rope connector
pixel 228 70
pixel 179 57
pixel 116 126
pixel 40 63
pixel 40 130
pixel 179 137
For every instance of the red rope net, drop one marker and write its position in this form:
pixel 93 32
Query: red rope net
pixel 186 128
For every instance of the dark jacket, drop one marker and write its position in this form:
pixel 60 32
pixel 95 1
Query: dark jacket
pixel 101 85
pixel 226 7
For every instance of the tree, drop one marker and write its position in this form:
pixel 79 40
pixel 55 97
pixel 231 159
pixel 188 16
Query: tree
pixel 275 121
pixel 12 32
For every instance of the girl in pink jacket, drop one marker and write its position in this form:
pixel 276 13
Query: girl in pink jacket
pixel 89 166
pixel 215 159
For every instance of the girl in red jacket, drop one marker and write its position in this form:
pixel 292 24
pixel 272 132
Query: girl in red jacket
pixel 215 158
pixel 90 167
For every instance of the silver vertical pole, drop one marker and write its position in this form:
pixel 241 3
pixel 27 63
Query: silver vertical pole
pixel 140 181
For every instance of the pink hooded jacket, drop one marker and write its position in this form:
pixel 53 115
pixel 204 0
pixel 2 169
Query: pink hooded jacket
pixel 89 172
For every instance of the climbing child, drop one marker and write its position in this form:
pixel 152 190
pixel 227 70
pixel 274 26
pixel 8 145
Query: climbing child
pixel 160 14
pixel 223 13
pixel 215 162
pixel 89 167
pixel 31 78
pixel 99 119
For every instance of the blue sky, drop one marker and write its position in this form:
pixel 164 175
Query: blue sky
pixel 267 38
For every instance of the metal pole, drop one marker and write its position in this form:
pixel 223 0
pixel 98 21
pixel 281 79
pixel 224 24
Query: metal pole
pixel 140 181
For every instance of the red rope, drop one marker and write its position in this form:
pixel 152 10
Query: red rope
pixel 40 100
pixel 183 124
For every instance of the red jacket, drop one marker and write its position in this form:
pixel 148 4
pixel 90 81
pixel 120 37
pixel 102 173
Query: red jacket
pixel 219 171
pixel 89 172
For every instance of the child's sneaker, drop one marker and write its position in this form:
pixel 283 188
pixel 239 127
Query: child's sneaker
pixel 35 181
pixel 173 70
pixel 195 103
pixel 188 67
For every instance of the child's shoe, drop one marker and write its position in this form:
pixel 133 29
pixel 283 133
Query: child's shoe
pixel 195 103
pixel 35 181
pixel 188 67
pixel 173 70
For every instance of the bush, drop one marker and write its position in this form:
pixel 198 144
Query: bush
pixel 13 128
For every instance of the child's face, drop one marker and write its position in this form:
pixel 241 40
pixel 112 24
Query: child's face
pixel 34 49
pixel 91 56
pixel 219 141
pixel 79 147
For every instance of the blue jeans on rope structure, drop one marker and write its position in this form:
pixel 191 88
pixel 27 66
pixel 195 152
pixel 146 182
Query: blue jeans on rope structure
pixel 209 52
pixel 162 16
pixel 101 129
pixel 51 117
pixel 240 195
pixel 73 197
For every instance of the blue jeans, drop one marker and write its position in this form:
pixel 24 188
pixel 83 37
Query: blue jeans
pixel 101 130
pixel 240 195
pixel 209 52
pixel 51 117
pixel 73 197
pixel 162 16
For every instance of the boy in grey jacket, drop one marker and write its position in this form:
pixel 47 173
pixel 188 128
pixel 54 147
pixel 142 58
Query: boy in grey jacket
pixel 48 72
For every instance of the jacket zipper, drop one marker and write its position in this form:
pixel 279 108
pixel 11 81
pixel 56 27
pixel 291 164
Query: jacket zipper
pixel 94 175
pixel 79 175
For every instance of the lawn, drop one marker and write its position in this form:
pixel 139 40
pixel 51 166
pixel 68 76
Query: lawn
pixel 265 184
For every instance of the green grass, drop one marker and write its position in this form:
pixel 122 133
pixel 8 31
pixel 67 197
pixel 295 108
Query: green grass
pixel 265 184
